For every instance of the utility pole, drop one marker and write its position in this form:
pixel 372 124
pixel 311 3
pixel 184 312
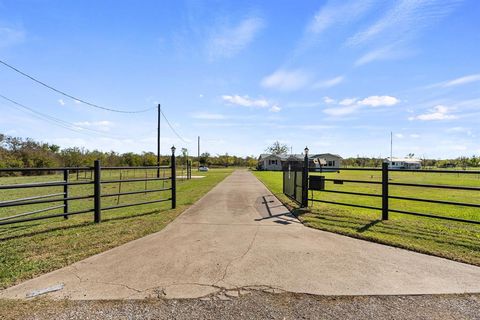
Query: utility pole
pixel 198 153
pixel 391 146
pixel 158 141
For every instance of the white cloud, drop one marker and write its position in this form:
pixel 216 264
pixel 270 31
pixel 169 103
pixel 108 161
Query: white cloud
pixel 399 135
pixel 439 112
pixel 379 101
pixel 246 101
pixel 414 136
pixel 275 108
pixel 347 101
pixel 61 102
pixel 329 83
pixel 227 41
pixel 351 105
pixel 328 100
pixel 200 95
pixel 208 116
pixel 103 125
pixel 286 80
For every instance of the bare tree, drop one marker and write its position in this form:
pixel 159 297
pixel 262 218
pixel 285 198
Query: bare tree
pixel 277 148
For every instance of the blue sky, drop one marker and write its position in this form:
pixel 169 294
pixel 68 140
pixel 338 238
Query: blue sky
pixel 337 76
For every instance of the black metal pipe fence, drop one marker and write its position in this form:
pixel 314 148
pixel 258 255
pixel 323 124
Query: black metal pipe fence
pixel 316 183
pixel 63 199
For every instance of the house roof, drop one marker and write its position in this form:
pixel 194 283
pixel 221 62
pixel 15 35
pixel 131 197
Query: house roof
pixel 407 160
pixel 268 155
pixel 325 154
pixel 297 156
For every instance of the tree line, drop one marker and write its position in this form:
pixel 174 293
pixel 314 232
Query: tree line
pixel 16 152
pixel 460 162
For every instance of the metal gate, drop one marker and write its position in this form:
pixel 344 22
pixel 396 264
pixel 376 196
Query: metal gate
pixel 293 181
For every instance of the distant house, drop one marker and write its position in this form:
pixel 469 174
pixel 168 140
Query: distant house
pixel 404 163
pixel 272 162
pixel 330 161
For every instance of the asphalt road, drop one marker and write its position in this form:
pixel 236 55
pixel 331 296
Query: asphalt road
pixel 255 305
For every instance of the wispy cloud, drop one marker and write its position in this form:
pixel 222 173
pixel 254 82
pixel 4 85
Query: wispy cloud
pixel 461 130
pixel 208 116
pixel 439 112
pixel 61 102
pixel 404 19
pixel 103 125
pixel 227 41
pixel 329 82
pixel 11 36
pixel 337 13
pixel 286 80
pixel 333 14
pixel 390 51
pixel 457 81
pixel 246 101
pixel 389 36
pixel 341 111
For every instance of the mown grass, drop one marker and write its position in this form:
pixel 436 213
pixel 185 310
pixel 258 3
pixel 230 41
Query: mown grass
pixel 453 240
pixel 33 248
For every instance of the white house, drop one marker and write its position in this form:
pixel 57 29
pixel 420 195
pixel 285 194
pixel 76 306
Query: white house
pixel 271 162
pixel 404 163
pixel 326 160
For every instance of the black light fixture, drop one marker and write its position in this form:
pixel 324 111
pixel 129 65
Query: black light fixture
pixel 173 149
pixel 306 151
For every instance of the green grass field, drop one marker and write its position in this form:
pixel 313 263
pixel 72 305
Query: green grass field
pixel 32 248
pixel 454 240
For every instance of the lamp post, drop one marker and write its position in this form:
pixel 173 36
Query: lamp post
pixel 304 203
pixel 174 178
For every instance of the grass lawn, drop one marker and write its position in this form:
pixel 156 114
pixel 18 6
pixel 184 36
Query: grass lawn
pixel 453 240
pixel 33 248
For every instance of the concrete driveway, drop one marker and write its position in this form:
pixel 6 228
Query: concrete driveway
pixel 239 237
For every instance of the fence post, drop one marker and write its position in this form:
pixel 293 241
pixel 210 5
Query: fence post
pixel 305 181
pixel 190 169
pixel 65 193
pixel 174 179
pixel 385 191
pixel 97 190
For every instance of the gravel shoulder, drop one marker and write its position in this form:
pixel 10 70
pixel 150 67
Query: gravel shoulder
pixel 253 305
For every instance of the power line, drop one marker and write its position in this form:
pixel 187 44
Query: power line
pixel 171 127
pixel 56 121
pixel 71 96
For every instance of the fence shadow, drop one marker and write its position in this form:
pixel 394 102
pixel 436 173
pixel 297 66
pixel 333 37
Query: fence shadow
pixel 368 226
pixel 285 217
pixel 5 237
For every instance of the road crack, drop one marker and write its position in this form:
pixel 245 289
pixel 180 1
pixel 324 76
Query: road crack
pixel 225 271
